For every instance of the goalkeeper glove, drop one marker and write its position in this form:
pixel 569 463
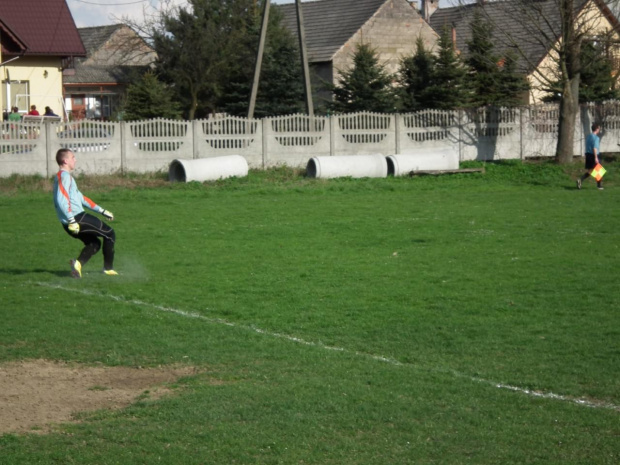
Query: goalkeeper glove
pixel 108 214
pixel 74 228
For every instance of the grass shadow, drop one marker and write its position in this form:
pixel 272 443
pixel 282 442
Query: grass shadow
pixel 18 272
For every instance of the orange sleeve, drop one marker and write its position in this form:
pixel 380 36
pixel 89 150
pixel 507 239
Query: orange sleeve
pixel 90 202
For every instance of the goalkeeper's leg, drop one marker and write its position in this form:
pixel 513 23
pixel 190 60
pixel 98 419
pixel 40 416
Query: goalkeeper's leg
pixel 91 229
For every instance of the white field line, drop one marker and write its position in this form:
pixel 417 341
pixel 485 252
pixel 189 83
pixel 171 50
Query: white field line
pixel 391 361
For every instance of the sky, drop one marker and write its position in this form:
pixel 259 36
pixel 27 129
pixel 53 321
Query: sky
pixel 87 13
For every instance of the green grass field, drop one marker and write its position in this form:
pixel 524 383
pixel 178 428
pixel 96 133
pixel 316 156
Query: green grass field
pixel 462 319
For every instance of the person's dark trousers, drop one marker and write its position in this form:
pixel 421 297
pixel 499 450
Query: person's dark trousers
pixel 586 175
pixel 91 229
pixel 590 164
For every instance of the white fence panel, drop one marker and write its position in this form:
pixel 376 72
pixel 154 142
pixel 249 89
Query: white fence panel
pixel 230 135
pixel 491 133
pixel 22 149
pixel 540 130
pixel 428 129
pixel 152 145
pixel 293 140
pixel 364 133
pixel 96 144
pixel 148 146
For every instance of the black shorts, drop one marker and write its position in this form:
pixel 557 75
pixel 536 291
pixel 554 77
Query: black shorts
pixel 590 161
pixel 91 227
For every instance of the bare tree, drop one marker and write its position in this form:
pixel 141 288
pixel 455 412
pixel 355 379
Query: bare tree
pixel 548 35
pixel 139 47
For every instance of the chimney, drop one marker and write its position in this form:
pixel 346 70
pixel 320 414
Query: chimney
pixel 454 37
pixel 428 8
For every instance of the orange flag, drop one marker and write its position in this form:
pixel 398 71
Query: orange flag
pixel 598 172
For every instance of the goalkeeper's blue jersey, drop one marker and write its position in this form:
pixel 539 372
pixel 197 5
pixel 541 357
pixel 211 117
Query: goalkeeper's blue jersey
pixel 68 199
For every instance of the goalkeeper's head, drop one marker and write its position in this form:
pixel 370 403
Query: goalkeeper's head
pixel 65 159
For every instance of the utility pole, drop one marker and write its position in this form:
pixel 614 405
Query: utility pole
pixel 259 58
pixel 303 53
pixel 304 58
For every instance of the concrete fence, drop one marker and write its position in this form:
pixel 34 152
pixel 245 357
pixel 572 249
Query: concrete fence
pixel 150 146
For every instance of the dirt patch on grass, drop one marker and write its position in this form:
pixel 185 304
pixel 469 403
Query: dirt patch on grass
pixel 36 394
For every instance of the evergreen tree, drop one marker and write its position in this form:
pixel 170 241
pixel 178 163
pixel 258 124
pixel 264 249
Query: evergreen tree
pixel 196 47
pixel 597 82
pixel 484 72
pixel 597 79
pixel 281 88
pixel 414 77
pixel 512 84
pixel 366 86
pixel 149 98
pixel 448 89
pixel 491 83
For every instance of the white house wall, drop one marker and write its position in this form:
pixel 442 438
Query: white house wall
pixel 592 23
pixel 44 76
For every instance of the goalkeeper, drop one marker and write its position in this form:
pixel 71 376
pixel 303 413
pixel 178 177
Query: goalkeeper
pixel 70 203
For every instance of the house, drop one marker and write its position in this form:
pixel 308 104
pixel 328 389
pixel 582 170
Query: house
pixel 39 42
pixel 115 55
pixel 334 28
pixel 534 40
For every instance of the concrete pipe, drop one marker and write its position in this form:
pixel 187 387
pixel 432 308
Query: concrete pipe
pixel 208 169
pixel 354 166
pixel 423 160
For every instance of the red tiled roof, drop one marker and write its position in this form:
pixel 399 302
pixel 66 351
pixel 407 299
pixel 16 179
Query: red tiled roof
pixel 11 43
pixel 45 27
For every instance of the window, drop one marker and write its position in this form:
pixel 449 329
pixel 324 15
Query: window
pixel 16 94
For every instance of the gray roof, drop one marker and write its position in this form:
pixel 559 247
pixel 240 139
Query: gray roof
pixel 103 74
pixel 529 45
pixel 93 38
pixel 530 37
pixel 329 24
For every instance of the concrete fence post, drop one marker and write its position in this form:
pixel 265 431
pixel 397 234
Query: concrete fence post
pixel 332 135
pixel 521 152
pixel 461 134
pixel 48 148
pixel 196 132
pixel 397 133
pixel 123 129
pixel 265 131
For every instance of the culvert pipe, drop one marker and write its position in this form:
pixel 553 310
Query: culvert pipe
pixel 423 160
pixel 207 169
pixel 354 166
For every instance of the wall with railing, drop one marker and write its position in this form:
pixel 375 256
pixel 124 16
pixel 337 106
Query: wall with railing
pixel 150 146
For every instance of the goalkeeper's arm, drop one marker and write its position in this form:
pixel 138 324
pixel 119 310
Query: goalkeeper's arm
pixel 97 208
